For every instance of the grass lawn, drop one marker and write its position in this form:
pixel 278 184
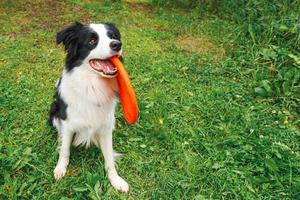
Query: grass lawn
pixel 202 133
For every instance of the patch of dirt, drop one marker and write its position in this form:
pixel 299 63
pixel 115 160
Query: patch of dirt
pixel 140 6
pixel 41 14
pixel 201 45
pixel 49 14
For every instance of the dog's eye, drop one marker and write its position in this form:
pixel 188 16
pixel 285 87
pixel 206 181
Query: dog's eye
pixel 92 41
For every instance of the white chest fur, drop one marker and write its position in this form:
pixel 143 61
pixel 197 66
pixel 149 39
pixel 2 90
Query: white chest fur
pixel 90 103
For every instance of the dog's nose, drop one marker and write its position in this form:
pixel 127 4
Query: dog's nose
pixel 115 45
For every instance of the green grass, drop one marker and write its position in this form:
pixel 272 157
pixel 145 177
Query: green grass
pixel 203 132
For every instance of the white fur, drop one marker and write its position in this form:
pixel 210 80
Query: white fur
pixel 91 101
pixel 91 104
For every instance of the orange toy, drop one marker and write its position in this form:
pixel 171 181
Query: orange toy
pixel 127 96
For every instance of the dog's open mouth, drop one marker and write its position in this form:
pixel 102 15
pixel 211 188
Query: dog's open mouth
pixel 105 67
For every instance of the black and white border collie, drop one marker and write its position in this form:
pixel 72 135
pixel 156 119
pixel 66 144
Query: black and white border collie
pixel 84 105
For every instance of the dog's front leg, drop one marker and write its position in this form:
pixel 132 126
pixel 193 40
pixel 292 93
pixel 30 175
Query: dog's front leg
pixel 64 154
pixel 107 150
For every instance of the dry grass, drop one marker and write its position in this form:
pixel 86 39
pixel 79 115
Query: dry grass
pixel 39 15
pixel 201 45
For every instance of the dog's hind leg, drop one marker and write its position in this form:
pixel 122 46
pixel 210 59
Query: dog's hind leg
pixel 64 153
pixel 107 150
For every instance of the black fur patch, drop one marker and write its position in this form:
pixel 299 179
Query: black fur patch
pixel 121 59
pixel 58 108
pixel 112 31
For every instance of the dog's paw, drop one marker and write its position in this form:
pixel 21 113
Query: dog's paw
pixel 59 172
pixel 119 183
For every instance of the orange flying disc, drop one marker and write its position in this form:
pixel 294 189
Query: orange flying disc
pixel 127 95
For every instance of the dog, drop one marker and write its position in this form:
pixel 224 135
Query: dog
pixel 86 94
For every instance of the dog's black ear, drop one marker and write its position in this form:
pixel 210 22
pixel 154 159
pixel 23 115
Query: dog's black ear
pixel 68 35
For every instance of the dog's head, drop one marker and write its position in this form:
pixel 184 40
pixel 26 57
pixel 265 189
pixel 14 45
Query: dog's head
pixel 91 45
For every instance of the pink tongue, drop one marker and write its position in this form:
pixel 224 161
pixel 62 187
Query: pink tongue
pixel 102 65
